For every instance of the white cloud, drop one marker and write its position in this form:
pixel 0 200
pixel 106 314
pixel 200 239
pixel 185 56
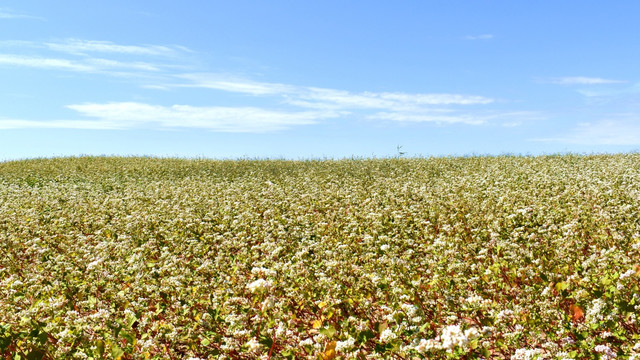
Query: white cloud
pixel 582 80
pixel 452 116
pixel 603 132
pixel 296 105
pixel 435 99
pixel 216 118
pixel 101 57
pixel 426 117
pixel 397 102
pixel 103 64
pixel 77 46
pixel 6 13
pixel 393 106
pixel 129 115
pixel 342 98
pixel 44 63
pixel 96 65
pixel 7 124
pixel 479 37
pixel 510 124
pixel 324 98
pixel 232 84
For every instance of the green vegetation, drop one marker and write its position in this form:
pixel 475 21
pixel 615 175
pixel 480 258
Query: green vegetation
pixel 439 258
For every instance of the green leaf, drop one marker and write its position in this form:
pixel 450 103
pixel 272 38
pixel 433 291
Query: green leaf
pixel 561 286
pixel 100 347
pixel 35 354
pixel 266 340
pixel 366 335
pixel 205 342
pixel 626 306
pixel 328 332
pixel 382 326
pixel 288 354
pixel 128 336
pixel 382 348
pixel 130 320
pixel 42 338
pixel 116 352
pixel 5 341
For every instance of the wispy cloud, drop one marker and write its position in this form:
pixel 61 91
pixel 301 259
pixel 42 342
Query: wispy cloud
pixel 385 100
pixel 433 117
pixel 625 93
pixel 6 13
pixel 8 124
pixel 315 97
pixel 388 106
pixel 105 64
pixel 130 115
pixel 455 116
pixel 101 57
pixel 87 65
pixel 155 67
pixel 216 118
pixel 78 46
pixel 479 37
pixel 583 80
pixel 44 63
pixel 613 131
pixel 232 84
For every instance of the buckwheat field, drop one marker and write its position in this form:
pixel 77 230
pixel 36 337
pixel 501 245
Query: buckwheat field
pixel 437 258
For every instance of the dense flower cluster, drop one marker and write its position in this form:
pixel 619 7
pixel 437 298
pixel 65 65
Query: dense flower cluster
pixel 439 258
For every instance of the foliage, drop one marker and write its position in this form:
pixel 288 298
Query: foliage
pixel 439 258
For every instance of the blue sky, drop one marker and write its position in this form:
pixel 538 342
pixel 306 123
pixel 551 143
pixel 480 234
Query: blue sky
pixel 315 79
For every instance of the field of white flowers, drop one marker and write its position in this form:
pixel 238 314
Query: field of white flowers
pixel 438 258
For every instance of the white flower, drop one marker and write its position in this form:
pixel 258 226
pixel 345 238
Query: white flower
pixel 504 314
pixel 64 335
pixel 93 264
pixel 471 333
pixel 567 341
pixel 306 342
pixel 345 345
pixel 409 309
pixel 253 345
pixel 387 335
pixel 259 285
pixel 80 355
pixel 594 313
pixel 627 274
pixel 261 270
pixel 526 354
pixel 453 336
pixel 606 351
pixel 267 304
pixel 427 345
pixel 473 299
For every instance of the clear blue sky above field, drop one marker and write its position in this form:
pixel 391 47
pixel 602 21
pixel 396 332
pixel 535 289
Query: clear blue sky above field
pixel 301 79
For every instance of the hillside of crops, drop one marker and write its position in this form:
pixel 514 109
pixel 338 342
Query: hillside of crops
pixel 507 257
